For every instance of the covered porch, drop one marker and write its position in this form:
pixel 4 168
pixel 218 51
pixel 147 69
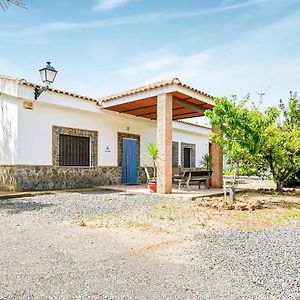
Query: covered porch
pixel 165 102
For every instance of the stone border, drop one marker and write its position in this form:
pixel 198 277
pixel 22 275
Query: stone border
pixel 122 135
pixel 190 146
pixel 93 135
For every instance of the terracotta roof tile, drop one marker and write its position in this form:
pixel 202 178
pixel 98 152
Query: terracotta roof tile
pixel 194 124
pixel 174 81
pixel 62 92
pixel 24 82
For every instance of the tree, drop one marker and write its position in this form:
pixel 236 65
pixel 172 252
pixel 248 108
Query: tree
pixel 291 112
pixel 281 150
pixel 255 139
pixel 4 4
pixel 281 144
pixel 239 128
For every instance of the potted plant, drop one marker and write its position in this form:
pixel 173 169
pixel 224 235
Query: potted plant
pixel 206 163
pixel 152 152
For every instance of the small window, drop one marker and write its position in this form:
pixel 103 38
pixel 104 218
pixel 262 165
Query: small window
pixel 74 150
pixel 174 154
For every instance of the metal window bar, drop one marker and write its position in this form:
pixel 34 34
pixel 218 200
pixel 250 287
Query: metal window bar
pixel 74 150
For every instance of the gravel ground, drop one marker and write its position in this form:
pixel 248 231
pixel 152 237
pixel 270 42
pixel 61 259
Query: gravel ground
pixel 45 256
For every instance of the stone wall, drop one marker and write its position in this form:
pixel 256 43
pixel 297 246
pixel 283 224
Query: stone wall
pixel 8 178
pixel 38 178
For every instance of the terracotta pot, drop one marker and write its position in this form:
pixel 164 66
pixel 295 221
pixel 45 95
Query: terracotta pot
pixel 209 181
pixel 152 184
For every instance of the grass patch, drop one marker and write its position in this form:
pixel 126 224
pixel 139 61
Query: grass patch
pixel 98 221
pixel 258 220
pixel 291 215
pixel 135 224
pixel 165 211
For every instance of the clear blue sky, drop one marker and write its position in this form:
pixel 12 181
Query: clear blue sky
pixel 100 47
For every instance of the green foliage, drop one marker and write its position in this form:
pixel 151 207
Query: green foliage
pixel 206 162
pixel 82 223
pixel 152 150
pixel 153 153
pixel 281 150
pixel 281 143
pixel 239 128
pixel 291 112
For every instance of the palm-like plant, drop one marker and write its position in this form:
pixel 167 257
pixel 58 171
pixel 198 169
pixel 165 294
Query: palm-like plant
pixel 205 162
pixel 153 153
pixel 4 4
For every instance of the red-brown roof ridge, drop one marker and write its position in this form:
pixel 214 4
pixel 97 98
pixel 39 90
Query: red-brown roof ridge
pixel 158 84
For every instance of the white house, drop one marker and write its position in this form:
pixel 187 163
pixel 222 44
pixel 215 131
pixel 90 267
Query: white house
pixel 64 140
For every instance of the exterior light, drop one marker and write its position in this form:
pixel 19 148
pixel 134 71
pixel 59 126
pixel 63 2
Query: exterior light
pixel 48 75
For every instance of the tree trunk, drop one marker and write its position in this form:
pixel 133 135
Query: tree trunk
pixel 232 188
pixel 236 170
pixel 279 187
pixel 231 198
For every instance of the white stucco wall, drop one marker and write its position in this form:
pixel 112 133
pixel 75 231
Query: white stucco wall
pixel 26 135
pixel 8 129
pixel 35 133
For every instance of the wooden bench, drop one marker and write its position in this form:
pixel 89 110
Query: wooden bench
pixel 192 176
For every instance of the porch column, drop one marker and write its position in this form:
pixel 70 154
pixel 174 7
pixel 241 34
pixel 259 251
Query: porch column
pixel 164 143
pixel 217 164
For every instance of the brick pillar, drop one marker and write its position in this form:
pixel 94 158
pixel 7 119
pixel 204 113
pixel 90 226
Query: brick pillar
pixel 217 164
pixel 164 143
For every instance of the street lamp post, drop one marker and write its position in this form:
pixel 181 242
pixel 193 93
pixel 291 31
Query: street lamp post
pixel 48 75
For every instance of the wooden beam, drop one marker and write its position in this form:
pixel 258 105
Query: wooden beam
pixel 149 115
pixel 191 106
pixel 138 108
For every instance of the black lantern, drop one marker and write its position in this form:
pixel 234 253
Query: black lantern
pixel 48 75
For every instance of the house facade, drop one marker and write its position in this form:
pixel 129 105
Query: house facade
pixel 64 140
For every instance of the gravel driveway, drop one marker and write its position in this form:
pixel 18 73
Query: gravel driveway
pixel 46 256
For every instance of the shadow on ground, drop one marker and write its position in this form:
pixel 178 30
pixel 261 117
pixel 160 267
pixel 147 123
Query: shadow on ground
pixel 94 192
pixel 16 207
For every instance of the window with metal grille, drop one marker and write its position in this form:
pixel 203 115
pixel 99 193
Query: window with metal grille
pixel 74 150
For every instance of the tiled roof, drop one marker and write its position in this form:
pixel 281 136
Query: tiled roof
pixel 24 82
pixel 11 78
pixel 174 81
pixel 130 92
pixel 62 92
pixel 194 124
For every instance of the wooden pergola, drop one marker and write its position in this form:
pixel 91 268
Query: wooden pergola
pixel 164 102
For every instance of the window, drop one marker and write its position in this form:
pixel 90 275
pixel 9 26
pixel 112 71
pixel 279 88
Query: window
pixel 74 150
pixel 187 158
pixel 188 155
pixel 174 154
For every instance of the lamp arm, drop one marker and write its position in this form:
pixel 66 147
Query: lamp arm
pixel 39 90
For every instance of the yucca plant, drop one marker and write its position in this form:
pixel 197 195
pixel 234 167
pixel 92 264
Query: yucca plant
pixel 153 153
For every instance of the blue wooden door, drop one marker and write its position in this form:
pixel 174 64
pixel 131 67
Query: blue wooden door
pixel 129 161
